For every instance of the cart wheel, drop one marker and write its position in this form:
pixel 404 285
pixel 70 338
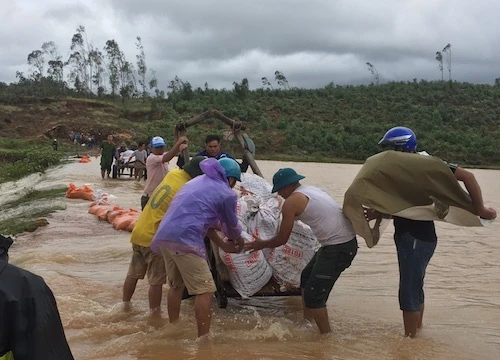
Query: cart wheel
pixel 115 172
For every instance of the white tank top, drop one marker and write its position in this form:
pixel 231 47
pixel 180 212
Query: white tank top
pixel 325 217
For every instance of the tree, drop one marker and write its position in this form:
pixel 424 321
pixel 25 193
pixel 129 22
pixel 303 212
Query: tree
pixel 153 83
pixel 447 51
pixel 128 84
pixel 36 61
pixel 374 72
pixel 141 67
pixel 121 72
pixel 82 63
pixel 55 70
pixel 266 82
pixel 98 61
pixel 241 90
pixel 114 64
pixel 281 79
pixel 439 58
pixel 180 90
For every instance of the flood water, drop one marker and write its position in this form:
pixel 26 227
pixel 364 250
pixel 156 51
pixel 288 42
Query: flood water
pixel 85 261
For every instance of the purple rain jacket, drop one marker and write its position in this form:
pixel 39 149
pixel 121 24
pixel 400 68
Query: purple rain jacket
pixel 201 204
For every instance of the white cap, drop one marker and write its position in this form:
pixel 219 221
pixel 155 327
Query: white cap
pixel 158 141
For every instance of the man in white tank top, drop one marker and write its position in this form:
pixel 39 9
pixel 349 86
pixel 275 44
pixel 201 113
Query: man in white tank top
pixel 334 232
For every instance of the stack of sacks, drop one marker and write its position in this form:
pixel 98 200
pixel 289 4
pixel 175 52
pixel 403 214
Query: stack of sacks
pixel 259 213
pixel 120 218
pixel 102 206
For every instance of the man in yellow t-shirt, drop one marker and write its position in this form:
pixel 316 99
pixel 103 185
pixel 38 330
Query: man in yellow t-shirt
pixel 143 259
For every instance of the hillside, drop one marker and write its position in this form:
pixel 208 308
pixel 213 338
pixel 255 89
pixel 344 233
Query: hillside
pixel 458 122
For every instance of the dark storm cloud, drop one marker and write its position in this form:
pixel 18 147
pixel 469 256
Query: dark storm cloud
pixel 312 42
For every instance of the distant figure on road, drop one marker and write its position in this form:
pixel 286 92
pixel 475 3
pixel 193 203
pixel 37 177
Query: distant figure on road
pixel 107 152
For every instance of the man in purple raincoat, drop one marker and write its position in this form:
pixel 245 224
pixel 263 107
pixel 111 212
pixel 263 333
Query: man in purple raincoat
pixel 197 209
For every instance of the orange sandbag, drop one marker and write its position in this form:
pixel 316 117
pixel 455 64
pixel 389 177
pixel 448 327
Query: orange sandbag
pixel 85 159
pixel 95 208
pixel 103 212
pixel 131 226
pixel 121 222
pixel 83 192
pixel 117 211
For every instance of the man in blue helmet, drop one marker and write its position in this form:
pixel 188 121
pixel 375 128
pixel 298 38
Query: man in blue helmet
pixel 416 240
pixel 200 206
pixel 334 232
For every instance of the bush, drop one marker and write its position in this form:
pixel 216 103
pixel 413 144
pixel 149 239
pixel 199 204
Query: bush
pixel 31 160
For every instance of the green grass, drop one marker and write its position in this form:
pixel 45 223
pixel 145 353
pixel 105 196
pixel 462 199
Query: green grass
pixel 34 195
pixel 27 161
pixel 27 222
pixel 11 143
pixel 9 108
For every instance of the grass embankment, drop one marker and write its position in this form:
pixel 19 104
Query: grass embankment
pixel 26 219
pixel 458 122
pixel 19 158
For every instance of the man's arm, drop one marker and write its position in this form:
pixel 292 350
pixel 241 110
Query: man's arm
pixel 244 164
pixel 178 146
pixel 99 151
pixel 292 207
pixel 475 193
pixel 234 246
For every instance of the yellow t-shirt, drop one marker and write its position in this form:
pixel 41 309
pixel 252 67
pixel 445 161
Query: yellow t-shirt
pixel 157 206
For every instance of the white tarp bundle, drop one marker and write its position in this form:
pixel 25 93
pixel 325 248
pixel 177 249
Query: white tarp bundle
pixel 248 272
pixel 259 213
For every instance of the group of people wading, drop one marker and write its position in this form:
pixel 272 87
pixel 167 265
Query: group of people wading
pixel 183 206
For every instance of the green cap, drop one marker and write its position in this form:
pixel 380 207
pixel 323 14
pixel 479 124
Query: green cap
pixel 285 177
pixel 193 166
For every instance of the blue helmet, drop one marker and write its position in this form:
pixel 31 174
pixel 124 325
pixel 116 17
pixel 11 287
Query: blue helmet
pixel 231 167
pixel 400 137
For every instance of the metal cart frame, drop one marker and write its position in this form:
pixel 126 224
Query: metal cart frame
pixel 219 271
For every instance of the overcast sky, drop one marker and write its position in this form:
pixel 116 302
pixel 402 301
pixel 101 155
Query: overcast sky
pixel 312 41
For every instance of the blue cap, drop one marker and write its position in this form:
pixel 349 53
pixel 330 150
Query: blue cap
pixel 285 177
pixel 158 141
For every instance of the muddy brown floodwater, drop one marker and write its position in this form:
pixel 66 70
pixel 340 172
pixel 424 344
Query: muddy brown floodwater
pixel 85 261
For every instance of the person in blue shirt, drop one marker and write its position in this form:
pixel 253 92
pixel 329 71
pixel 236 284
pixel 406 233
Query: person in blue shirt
pixel 213 150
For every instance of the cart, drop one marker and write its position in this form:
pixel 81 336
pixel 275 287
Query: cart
pixel 219 270
pixel 122 169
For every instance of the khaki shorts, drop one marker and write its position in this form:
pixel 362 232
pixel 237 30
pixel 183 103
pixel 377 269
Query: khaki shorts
pixel 190 270
pixel 145 261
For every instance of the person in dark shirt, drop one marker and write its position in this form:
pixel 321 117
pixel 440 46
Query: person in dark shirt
pixel 30 324
pixel 213 149
pixel 417 240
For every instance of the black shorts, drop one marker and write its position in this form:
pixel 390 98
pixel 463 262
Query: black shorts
pixel 319 276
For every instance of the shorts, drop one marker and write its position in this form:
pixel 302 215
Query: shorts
pixel 145 261
pixel 189 270
pixel 413 257
pixel 144 201
pixel 321 273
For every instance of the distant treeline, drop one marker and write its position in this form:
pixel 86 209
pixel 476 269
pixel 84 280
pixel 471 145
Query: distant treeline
pixel 457 121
